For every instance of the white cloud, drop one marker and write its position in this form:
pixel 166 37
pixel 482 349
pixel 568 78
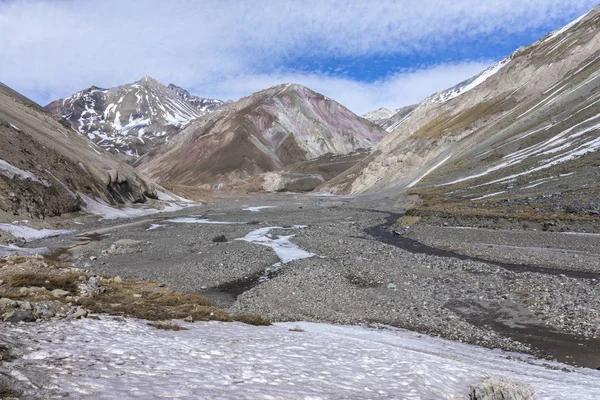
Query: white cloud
pixel 52 49
pixel 401 89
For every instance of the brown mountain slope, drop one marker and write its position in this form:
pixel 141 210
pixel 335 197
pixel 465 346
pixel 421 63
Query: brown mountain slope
pixel 525 129
pixel 282 125
pixel 44 166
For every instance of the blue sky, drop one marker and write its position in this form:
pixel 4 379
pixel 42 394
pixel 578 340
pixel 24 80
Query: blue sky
pixel 364 54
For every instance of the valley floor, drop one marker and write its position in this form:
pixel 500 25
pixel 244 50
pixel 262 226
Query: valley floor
pixel 334 259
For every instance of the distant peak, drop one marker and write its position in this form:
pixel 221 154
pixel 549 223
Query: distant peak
pixel 149 80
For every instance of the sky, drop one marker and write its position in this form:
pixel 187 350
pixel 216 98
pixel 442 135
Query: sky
pixel 365 54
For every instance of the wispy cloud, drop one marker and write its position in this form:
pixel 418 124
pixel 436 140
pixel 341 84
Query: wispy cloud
pixel 228 49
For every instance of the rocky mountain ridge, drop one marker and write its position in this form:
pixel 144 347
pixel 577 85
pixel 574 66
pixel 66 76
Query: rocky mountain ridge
pixel 131 119
pixel 524 127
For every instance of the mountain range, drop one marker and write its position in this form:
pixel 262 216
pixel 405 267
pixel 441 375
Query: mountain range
pixel 524 127
pixel 131 119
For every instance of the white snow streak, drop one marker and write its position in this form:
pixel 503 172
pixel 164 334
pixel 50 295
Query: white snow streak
pixel 256 209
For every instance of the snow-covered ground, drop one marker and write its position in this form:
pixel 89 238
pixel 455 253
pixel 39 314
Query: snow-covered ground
pixel 116 358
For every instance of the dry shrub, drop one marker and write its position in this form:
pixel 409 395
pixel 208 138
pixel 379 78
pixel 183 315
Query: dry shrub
pixel 68 282
pixel 252 319
pixel 145 300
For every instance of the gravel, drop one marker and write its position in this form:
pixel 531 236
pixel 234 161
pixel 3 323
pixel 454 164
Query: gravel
pixel 354 278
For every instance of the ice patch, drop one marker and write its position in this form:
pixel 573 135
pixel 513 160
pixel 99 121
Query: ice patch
pixel 29 234
pixel 9 250
pixel 285 250
pixel 124 358
pixel 14 127
pixel 256 209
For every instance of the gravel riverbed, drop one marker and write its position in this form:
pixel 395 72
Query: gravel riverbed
pixel 355 278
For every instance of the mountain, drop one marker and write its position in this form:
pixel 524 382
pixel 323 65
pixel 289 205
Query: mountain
pixel 131 119
pixel 523 134
pixel 203 104
pixel 46 168
pixel 379 114
pixel 266 131
pixel 389 119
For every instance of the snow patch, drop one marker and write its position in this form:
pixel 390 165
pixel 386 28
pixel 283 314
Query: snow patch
pixel 9 250
pixel 285 250
pixel 29 234
pixel 256 209
pixel 117 358
pixel 106 211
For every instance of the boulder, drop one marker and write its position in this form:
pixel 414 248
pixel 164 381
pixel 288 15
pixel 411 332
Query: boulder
pixel 501 389
pixel 19 316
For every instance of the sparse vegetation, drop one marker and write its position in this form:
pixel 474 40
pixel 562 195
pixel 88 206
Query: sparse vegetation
pixel 68 281
pixel 127 298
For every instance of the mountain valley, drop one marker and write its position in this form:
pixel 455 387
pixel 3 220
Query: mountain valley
pixel 140 225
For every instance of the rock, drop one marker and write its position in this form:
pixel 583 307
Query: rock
pixel 92 258
pixel 19 316
pixel 91 287
pixel 1 282
pixel 25 305
pixel 117 279
pixel 501 389
pixel 161 285
pixel 570 210
pixel 58 293
pixel 79 313
pixel 219 239
pixel 391 286
pixel 188 319
pixel 6 303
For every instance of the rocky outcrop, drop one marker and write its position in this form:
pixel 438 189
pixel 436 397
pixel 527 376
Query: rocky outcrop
pixel 131 119
pixel 499 389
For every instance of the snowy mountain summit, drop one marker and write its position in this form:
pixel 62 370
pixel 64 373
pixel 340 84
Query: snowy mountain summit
pixel 134 118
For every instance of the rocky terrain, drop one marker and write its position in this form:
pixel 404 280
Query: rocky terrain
pixel 130 120
pixel 345 265
pixel 264 132
pixel 203 104
pixel 47 169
